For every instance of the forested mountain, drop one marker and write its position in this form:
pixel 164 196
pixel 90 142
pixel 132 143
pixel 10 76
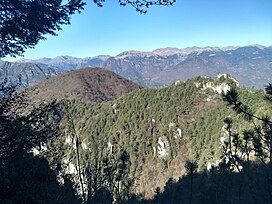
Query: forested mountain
pixel 95 84
pixel 161 67
pixel 129 148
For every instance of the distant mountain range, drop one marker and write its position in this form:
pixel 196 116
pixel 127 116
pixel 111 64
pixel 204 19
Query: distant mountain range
pixel 67 63
pixel 250 65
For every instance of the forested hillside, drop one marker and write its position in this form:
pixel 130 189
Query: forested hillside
pixel 128 148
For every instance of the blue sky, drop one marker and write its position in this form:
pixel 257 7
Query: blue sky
pixel 113 29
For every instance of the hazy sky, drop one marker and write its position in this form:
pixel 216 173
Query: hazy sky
pixel 113 29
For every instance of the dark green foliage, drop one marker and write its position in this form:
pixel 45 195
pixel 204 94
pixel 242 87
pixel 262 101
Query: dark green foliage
pixel 127 125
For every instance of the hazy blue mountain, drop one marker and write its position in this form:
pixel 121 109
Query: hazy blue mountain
pixel 250 65
pixel 66 63
pixel 24 74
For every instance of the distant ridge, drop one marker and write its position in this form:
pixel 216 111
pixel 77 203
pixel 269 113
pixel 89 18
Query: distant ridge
pixel 24 74
pixel 163 66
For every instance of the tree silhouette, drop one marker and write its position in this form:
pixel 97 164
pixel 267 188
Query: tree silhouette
pixel 115 173
pixel 257 141
pixel 251 153
pixel 23 23
pixel 140 5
